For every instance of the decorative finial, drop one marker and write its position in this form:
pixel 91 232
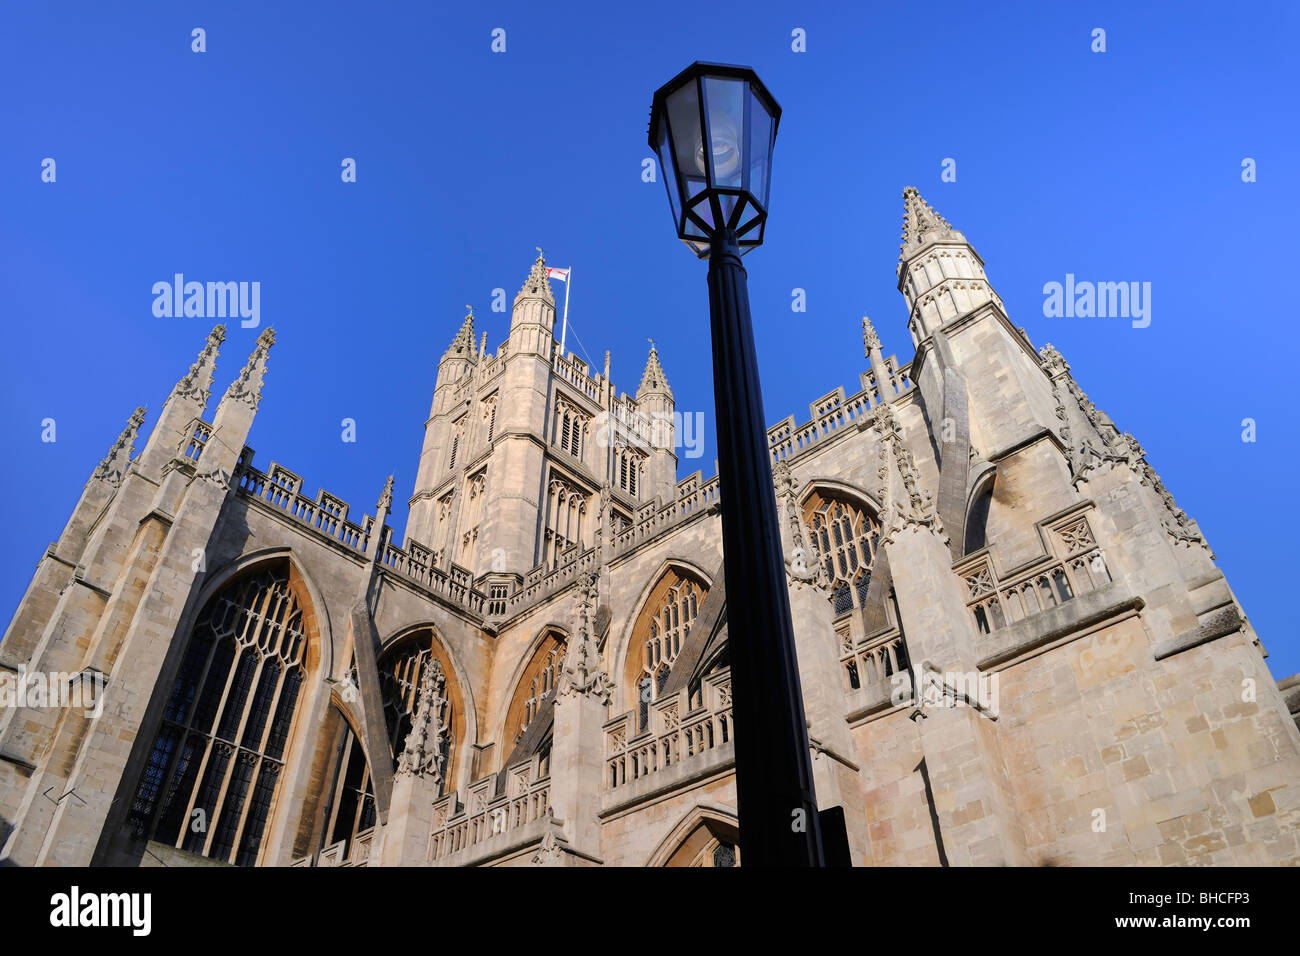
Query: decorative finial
pixel 463 343
pixel 870 340
pixel 921 222
pixel 247 388
pixel 386 496
pixel 653 378
pixel 115 463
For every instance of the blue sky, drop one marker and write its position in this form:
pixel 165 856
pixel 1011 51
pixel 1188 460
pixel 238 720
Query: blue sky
pixel 1123 165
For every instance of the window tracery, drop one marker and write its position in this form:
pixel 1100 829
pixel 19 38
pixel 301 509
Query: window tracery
pixel 659 635
pixel 845 538
pixel 570 428
pixel 565 523
pixel 401 671
pixel 210 778
pixel 536 684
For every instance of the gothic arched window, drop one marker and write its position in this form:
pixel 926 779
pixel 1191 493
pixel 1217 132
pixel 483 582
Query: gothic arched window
pixel 536 685
pixel 211 775
pixel 352 802
pixel 566 509
pixel 978 519
pixel 845 538
pixel 658 637
pixel 401 669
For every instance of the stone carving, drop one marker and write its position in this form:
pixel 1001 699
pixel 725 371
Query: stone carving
pixel 1177 524
pixel 386 496
pixel 870 340
pixel 802 566
pixel 247 388
pixel 904 500
pixel 118 459
pixel 423 753
pixel 548 851
pixel 582 673
pixel 216 477
pixel 197 382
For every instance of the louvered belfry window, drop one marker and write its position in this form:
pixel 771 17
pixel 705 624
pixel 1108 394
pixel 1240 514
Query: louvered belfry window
pixel 210 780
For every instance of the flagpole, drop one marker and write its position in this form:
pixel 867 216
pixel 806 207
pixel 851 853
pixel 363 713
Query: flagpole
pixel 564 328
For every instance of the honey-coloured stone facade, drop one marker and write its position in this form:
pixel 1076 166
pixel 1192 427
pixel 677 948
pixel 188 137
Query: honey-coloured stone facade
pixel 1015 648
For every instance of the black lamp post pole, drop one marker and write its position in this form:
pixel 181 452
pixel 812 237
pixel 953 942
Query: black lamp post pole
pixel 773 769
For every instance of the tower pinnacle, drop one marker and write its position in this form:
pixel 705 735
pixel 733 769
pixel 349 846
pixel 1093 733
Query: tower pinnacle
pixel 197 382
pixel 462 346
pixel 247 387
pixel 653 378
pixel 922 224
pixel 870 340
pixel 115 463
pixel 537 283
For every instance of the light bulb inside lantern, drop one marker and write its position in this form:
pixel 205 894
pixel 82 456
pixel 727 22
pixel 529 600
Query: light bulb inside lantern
pixel 725 149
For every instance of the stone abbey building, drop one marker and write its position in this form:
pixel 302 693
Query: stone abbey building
pixel 1015 648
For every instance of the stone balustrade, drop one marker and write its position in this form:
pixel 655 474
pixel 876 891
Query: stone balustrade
pixel 875 661
pixel 1073 566
pixel 527 797
pixel 786 439
pixel 415 563
pixel 282 489
pixel 574 372
pixel 675 732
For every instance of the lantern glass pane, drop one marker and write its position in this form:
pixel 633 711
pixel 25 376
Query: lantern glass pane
pixel 760 148
pixel 668 169
pixel 728 203
pixel 724 101
pixel 684 118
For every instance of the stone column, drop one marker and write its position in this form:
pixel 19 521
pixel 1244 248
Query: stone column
pixel 973 801
pixel 835 771
pixel 577 748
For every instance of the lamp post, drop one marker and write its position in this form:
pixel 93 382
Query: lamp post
pixel 713 127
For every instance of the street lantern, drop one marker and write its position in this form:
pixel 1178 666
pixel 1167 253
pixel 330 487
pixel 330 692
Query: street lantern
pixel 713 128
pixel 726 184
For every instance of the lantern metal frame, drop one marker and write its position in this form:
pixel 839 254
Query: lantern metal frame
pixel 702 215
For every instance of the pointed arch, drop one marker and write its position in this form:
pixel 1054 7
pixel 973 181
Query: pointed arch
pixel 978 508
pixel 623 645
pixel 347 809
pixel 695 834
pixel 250 658
pixel 843 525
pixel 533 684
pixel 315 607
pixel 658 631
pixel 402 658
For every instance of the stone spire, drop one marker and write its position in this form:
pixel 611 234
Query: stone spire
pixel 462 346
pixel 247 388
pixel 537 283
pixel 197 382
pixel 870 340
pixel 922 224
pixel 115 463
pixel 940 274
pixel 386 497
pixel 653 378
pixel 884 380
